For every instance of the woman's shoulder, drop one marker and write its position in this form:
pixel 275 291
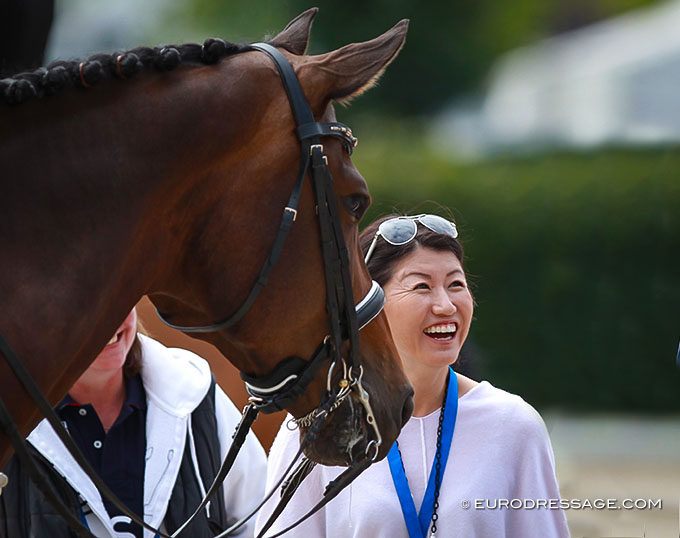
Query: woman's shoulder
pixel 287 441
pixel 503 410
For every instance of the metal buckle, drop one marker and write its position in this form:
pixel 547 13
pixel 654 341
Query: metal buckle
pixel 291 210
pixel 320 148
pixel 3 481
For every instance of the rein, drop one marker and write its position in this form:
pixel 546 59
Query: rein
pixel 293 375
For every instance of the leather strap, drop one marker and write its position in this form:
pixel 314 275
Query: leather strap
pixel 310 436
pixel 308 132
pixel 298 102
pixel 299 374
pixel 287 489
pixel 332 490
pixel 287 219
pixel 336 129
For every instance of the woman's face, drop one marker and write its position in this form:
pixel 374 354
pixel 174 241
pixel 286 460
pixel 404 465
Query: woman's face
pixel 428 307
pixel 113 356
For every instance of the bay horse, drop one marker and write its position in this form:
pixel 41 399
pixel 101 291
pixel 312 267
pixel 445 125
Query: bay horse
pixel 171 183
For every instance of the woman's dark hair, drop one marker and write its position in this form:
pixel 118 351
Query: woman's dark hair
pixel 133 361
pixel 386 256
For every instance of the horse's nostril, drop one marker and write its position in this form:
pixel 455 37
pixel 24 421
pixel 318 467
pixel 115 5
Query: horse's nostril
pixel 407 410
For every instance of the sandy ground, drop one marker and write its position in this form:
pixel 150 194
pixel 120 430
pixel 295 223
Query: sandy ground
pixel 619 458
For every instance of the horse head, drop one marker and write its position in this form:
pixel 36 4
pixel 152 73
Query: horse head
pixel 243 188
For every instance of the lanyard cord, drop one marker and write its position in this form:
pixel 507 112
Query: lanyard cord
pixel 417 523
pixel 438 464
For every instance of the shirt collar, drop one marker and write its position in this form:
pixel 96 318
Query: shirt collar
pixel 135 395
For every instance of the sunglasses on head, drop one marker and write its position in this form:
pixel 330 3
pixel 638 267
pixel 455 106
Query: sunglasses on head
pixel 402 230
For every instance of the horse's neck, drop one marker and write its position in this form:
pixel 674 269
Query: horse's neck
pixel 82 238
pixel 84 205
pixel 91 206
pixel 90 194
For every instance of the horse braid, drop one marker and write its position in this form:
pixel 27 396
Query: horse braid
pixel 127 64
pixel 168 58
pixel 53 79
pixel 16 91
pixel 91 72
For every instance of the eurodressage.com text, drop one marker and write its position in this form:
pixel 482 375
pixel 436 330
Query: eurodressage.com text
pixel 563 504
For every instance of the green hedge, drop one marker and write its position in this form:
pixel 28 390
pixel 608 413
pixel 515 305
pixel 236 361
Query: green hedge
pixel 575 260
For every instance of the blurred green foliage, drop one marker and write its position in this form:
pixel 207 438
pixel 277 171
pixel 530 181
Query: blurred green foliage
pixel 450 45
pixel 575 257
pixel 575 262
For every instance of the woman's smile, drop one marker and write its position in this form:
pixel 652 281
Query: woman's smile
pixel 429 308
pixel 442 332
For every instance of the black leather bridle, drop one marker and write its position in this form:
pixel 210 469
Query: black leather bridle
pixel 292 376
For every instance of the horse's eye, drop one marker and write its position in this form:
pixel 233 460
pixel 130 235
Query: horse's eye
pixel 356 205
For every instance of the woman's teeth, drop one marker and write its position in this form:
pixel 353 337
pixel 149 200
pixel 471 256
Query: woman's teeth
pixel 451 328
pixel 113 340
pixel 441 332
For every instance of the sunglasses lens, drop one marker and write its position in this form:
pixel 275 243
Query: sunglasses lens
pixel 439 225
pixel 398 231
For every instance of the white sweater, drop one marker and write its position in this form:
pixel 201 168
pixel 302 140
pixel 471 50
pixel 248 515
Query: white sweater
pixel 500 450
pixel 175 381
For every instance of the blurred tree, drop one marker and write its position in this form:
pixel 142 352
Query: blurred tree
pixel 573 260
pixel 450 46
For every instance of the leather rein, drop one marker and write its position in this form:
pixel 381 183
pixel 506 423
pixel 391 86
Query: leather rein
pixel 292 376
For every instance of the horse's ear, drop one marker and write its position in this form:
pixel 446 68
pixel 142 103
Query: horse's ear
pixel 295 37
pixel 350 71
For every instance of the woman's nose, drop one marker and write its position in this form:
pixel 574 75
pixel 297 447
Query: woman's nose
pixel 442 304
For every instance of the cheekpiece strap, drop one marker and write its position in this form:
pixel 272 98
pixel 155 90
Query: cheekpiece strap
pixel 298 101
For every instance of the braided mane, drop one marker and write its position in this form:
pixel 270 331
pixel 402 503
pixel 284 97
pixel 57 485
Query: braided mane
pixel 51 79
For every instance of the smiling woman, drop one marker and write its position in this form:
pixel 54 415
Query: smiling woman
pixel 466 440
pixel 429 309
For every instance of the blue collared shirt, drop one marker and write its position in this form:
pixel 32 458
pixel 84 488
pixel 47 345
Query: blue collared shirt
pixel 119 455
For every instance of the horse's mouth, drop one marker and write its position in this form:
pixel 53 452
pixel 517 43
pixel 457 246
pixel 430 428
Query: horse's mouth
pixel 344 437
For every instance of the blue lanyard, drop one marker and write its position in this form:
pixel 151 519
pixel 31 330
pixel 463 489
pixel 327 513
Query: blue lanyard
pixel 417 523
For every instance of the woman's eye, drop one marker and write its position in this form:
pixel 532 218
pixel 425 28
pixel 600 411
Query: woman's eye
pixel 356 205
pixel 421 286
pixel 457 284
